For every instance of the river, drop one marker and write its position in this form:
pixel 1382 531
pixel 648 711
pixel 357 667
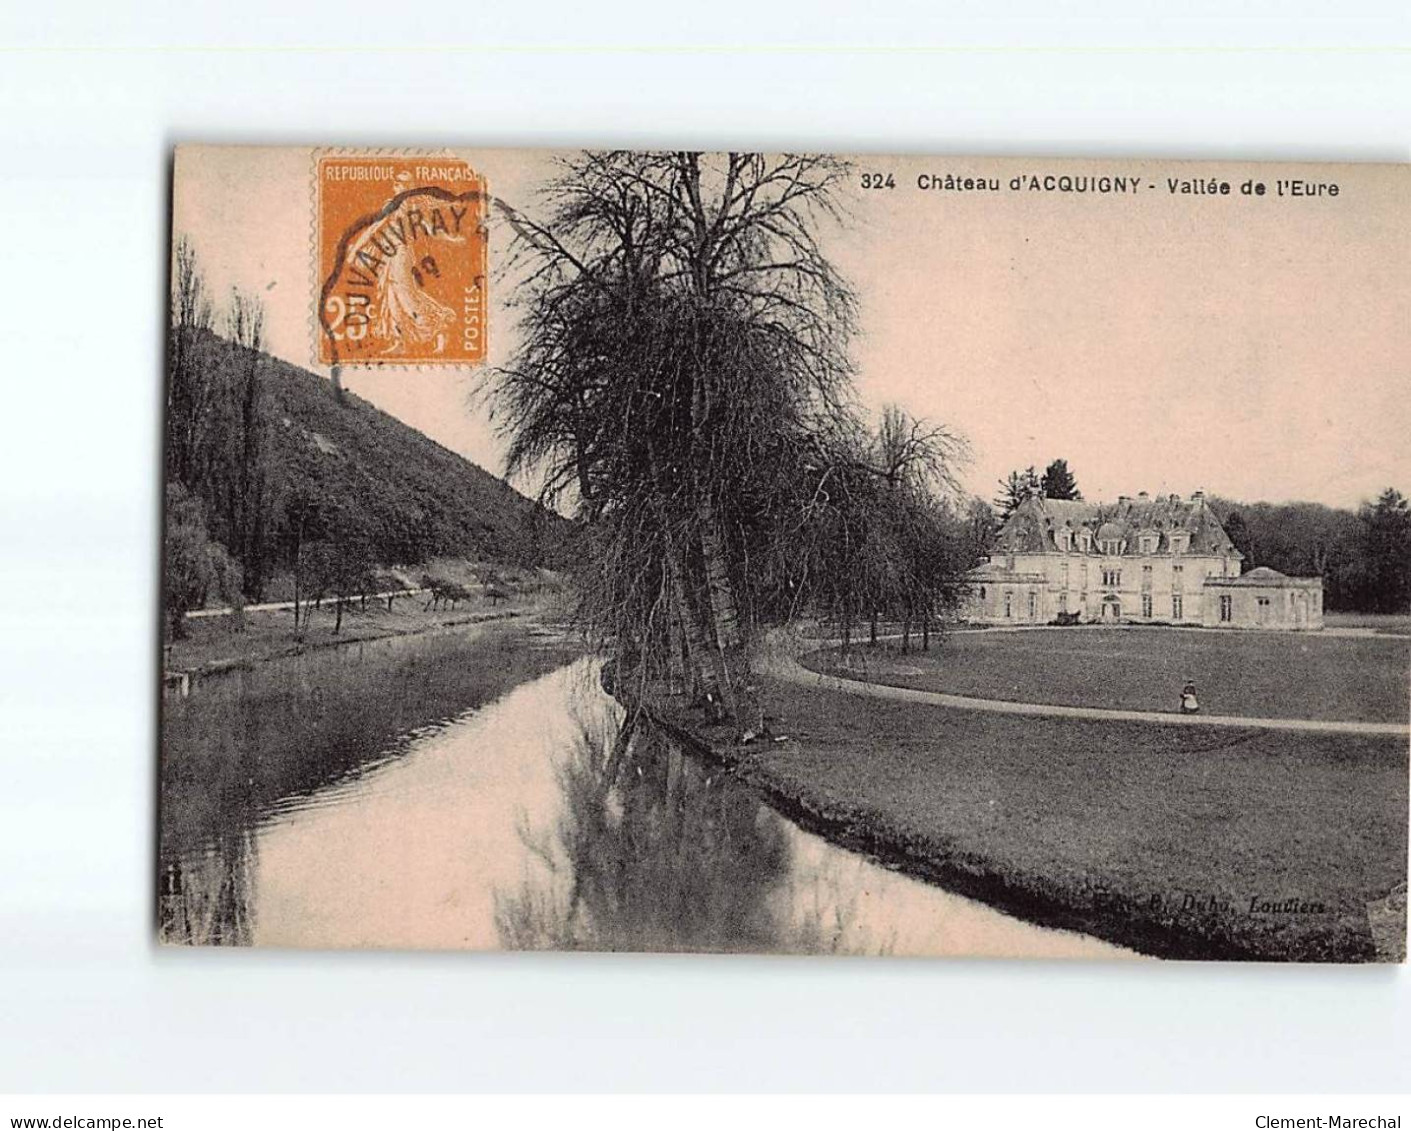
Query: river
pixel 459 790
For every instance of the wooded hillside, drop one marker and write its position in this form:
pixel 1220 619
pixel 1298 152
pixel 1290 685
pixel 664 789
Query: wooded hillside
pixel 270 468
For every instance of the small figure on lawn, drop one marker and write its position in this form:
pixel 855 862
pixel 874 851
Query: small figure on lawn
pixel 1189 704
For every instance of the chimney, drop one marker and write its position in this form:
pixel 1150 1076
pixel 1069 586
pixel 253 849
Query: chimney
pixel 1198 497
pixel 1121 499
pixel 1175 498
pixel 1142 495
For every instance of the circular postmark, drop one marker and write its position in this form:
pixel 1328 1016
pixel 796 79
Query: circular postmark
pixel 402 261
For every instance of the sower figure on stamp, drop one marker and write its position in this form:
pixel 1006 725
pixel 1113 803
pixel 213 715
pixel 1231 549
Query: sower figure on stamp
pixel 408 316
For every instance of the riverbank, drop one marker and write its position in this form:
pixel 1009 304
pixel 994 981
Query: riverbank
pixel 1177 844
pixel 301 732
pixel 214 646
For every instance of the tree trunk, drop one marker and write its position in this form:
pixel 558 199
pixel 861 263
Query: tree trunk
pixel 926 630
pixel 719 610
pixel 298 562
pixel 906 634
pixel 725 615
pixel 703 657
pixel 725 628
pixel 337 615
pixel 872 638
pixel 709 660
pixel 699 676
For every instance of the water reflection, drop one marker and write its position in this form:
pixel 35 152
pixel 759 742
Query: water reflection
pixel 654 852
pixel 250 748
pixel 204 898
pixel 449 795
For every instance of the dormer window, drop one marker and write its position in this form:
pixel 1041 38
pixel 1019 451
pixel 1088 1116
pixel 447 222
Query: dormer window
pixel 1148 543
pixel 1180 542
pixel 1112 546
pixel 1085 540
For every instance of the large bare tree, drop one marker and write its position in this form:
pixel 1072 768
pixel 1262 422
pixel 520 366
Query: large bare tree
pixel 682 335
pixel 683 377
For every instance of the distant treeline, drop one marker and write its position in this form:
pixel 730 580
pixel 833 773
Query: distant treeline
pixel 269 468
pixel 1363 556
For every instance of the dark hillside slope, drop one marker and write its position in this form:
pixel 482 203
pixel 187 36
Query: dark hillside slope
pixel 402 494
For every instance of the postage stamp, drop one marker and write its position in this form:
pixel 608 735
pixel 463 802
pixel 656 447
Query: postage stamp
pixel 402 260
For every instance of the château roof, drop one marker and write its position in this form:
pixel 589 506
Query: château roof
pixel 1036 524
pixel 1264 578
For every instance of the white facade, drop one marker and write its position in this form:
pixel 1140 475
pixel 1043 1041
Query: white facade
pixel 1142 560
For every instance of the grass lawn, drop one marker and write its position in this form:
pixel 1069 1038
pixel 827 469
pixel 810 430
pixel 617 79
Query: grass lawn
pixel 1182 842
pixel 1261 674
pixel 1376 622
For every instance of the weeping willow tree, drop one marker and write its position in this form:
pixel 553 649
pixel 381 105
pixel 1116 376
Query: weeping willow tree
pixel 683 382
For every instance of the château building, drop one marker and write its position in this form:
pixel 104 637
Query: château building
pixel 1143 560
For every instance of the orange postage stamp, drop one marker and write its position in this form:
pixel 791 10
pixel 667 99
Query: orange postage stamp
pixel 401 260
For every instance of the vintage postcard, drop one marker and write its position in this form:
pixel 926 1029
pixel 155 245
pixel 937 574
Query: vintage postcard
pixel 769 553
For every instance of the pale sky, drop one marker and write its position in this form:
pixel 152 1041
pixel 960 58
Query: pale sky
pixel 1254 347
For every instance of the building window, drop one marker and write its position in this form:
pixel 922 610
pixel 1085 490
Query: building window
pixel 1008 603
pixel 1146 578
pixel 1063 576
pixel 1085 575
pixel 1033 606
pixel 982 592
pixel 1146 605
pixel 1227 608
pixel 1178 577
pixel 1063 602
pixel 1112 578
pixel 1086 541
pixel 1180 543
pixel 1148 544
pixel 1176 612
pixel 1112 546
